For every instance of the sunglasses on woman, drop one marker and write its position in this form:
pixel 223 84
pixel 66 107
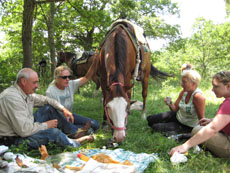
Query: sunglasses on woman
pixel 64 77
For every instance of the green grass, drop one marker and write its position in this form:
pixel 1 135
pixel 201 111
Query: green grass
pixel 140 137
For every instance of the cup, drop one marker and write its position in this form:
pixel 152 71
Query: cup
pixel 168 100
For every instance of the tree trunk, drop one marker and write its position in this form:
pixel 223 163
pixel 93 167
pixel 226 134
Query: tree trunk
pixel 50 25
pixel 27 32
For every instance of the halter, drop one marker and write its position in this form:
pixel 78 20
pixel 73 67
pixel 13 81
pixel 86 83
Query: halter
pixel 106 113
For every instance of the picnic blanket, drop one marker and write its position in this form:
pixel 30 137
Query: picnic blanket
pixel 140 161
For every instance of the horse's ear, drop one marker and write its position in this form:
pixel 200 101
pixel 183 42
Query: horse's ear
pixel 128 87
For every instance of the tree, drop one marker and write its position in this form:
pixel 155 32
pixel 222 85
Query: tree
pixel 50 25
pixel 27 32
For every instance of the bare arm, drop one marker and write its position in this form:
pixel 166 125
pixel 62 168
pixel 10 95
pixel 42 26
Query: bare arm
pixel 218 123
pixel 175 107
pixel 199 103
pixel 92 70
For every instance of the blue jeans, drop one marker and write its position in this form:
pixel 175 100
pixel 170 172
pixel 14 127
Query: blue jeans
pixel 43 137
pixel 47 112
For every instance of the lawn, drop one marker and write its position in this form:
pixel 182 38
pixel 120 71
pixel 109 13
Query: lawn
pixel 140 137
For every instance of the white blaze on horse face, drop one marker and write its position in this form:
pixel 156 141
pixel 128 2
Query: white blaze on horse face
pixel 117 113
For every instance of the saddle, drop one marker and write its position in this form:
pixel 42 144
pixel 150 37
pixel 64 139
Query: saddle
pixel 138 39
pixel 82 58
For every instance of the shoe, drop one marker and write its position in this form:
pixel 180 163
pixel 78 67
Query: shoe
pixel 82 131
pixel 87 126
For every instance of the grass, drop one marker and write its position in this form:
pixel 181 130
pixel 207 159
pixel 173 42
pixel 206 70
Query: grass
pixel 140 137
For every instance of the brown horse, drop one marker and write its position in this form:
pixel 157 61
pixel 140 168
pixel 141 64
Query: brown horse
pixel 117 63
pixel 79 69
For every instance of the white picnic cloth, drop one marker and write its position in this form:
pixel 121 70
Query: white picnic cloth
pixel 140 161
pixel 3 149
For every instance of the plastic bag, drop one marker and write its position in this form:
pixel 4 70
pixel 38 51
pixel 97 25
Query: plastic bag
pixel 178 158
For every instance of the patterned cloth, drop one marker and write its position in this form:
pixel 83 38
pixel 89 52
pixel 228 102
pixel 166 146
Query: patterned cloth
pixel 140 161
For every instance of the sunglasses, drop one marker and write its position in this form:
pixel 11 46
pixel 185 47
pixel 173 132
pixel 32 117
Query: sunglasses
pixel 64 77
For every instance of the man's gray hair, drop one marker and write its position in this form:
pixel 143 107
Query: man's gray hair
pixel 23 73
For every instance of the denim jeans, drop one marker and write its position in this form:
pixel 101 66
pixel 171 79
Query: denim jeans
pixel 43 137
pixel 47 112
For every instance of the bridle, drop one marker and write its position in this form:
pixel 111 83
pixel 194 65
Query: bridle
pixel 107 115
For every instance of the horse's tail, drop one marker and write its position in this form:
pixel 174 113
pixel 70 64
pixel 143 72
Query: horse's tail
pixel 157 74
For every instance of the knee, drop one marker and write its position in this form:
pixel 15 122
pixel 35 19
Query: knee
pixel 49 108
pixel 196 129
pixel 151 119
pixel 95 124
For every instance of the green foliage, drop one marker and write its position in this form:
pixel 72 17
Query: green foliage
pixel 78 25
pixel 207 49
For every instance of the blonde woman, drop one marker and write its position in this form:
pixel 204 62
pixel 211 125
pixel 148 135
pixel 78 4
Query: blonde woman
pixel 63 89
pixel 187 110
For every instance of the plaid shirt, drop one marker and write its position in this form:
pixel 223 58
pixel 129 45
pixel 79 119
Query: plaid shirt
pixel 16 112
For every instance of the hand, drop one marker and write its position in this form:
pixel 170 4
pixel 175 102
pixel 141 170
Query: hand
pixel 52 123
pixel 180 149
pixel 68 115
pixel 204 121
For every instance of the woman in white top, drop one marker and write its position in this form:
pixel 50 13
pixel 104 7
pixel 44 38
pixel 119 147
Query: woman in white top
pixel 187 109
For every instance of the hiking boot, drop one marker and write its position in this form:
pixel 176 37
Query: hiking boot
pixel 82 131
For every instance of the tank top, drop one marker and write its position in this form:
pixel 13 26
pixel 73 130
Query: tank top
pixel 187 113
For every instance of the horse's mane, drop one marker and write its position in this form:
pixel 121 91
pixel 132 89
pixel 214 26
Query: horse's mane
pixel 120 50
pixel 120 58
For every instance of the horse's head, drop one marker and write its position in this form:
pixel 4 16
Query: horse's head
pixel 117 109
pixel 60 58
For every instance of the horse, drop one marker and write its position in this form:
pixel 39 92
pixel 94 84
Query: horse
pixel 78 66
pixel 117 64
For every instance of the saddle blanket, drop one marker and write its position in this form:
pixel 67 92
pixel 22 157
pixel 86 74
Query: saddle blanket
pixel 139 32
pixel 140 161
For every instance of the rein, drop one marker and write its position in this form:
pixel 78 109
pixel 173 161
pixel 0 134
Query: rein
pixel 107 115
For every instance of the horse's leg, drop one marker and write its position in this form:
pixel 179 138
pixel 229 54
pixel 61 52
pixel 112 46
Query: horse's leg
pixel 104 122
pixel 145 81
pixel 144 95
